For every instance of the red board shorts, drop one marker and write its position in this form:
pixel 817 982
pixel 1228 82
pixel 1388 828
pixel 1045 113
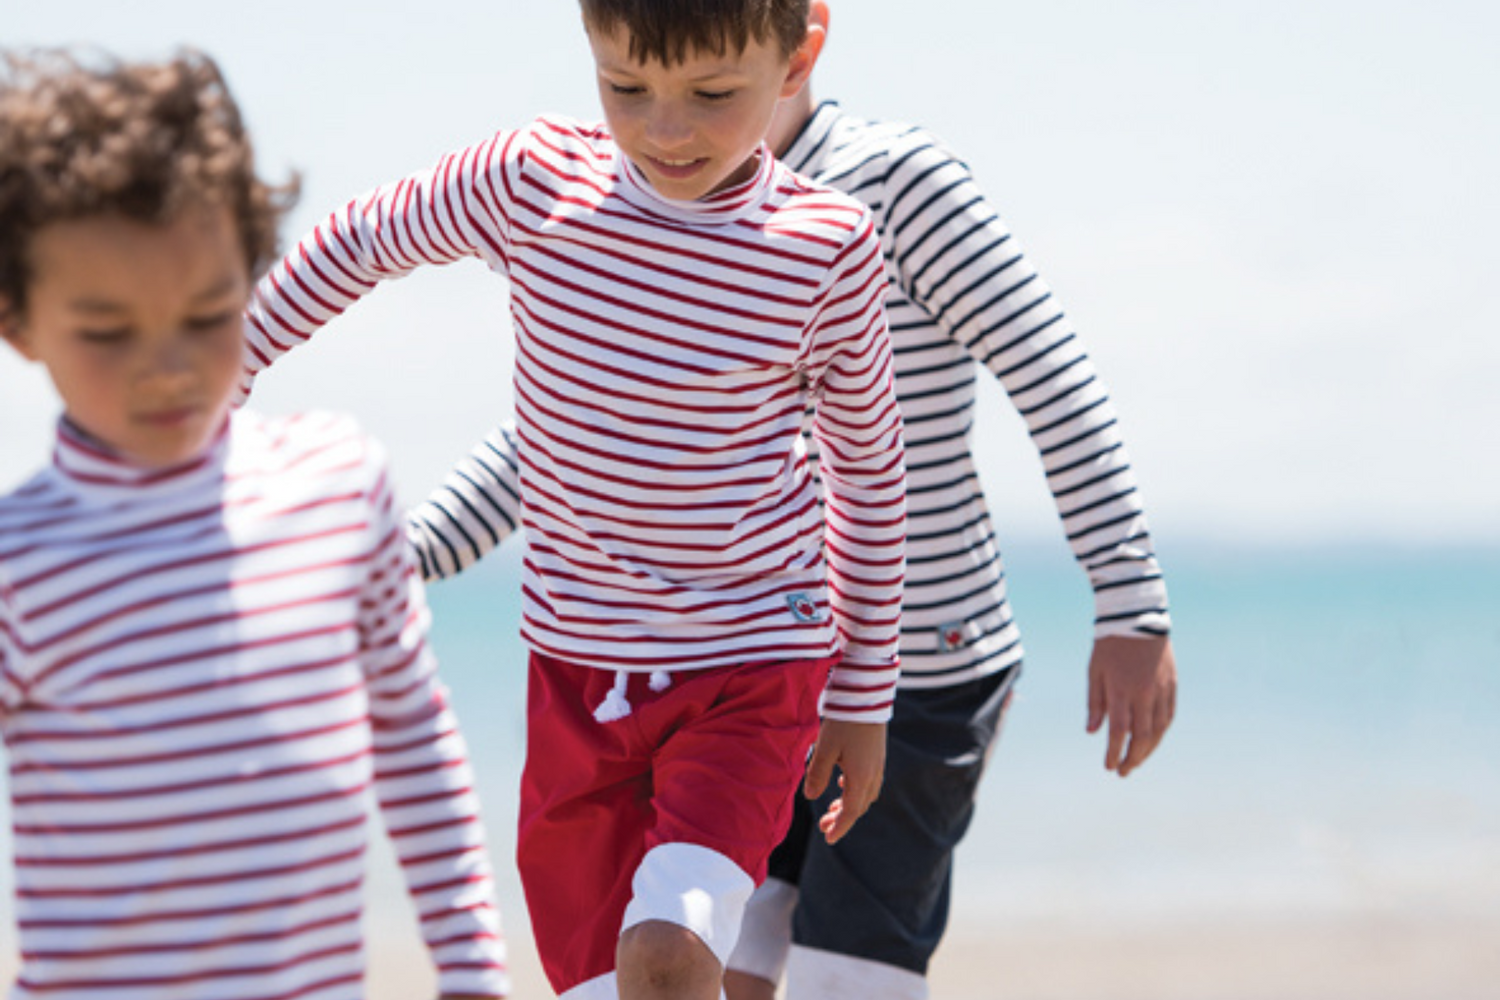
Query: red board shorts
pixel 709 763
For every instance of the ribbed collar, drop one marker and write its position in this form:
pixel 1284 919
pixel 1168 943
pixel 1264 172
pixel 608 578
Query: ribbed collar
pixel 814 134
pixel 729 205
pixel 96 471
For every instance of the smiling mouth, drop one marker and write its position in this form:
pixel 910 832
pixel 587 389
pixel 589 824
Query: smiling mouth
pixel 677 167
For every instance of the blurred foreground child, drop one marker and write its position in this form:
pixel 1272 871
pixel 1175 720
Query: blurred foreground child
pixel 212 643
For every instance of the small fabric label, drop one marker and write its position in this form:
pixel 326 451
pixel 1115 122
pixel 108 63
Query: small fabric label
pixel 803 609
pixel 952 637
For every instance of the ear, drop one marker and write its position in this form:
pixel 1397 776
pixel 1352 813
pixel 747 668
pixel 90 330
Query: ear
pixel 10 328
pixel 799 70
pixel 817 14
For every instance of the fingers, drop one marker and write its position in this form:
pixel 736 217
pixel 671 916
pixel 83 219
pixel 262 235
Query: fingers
pixel 1097 700
pixel 1119 729
pixel 1132 685
pixel 1147 727
pixel 835 822
pixel 858 750
pixel 858 795
pixel 1166 711
pixel 1143 739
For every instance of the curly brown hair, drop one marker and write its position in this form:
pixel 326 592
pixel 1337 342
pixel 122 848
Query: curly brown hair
pixel 142 140
pixel 665 30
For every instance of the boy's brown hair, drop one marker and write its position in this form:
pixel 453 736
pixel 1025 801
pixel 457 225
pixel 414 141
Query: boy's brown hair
pixel 141 140
pixel 667 30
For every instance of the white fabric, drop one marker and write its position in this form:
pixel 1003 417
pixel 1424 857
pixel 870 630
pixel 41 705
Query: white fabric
pixel 604 987
pixel 812 974
pixel 766 932
pixel 615 704
pixel 693 887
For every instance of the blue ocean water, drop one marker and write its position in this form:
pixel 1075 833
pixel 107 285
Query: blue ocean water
pixel 1336 747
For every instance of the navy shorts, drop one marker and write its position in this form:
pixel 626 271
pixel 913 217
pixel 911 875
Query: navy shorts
pixel 882 893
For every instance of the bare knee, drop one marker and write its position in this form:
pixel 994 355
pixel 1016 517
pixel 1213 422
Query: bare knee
pixel 657 960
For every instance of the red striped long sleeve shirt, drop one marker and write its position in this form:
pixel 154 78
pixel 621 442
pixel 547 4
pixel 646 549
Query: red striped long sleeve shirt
pixel 666 353
pixel 204 673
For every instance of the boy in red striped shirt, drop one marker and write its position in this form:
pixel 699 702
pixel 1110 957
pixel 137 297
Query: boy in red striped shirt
pixel 679 300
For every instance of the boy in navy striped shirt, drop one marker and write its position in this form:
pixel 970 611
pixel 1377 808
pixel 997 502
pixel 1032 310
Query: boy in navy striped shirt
pixel 963 299
pixel 961 295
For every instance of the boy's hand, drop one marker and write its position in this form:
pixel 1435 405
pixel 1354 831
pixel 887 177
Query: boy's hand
pixel 1133 683
pixel 858 749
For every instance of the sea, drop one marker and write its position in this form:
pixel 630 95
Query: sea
pixel 1336 747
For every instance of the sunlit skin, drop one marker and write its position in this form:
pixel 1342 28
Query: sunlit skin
pixel 139 327
pixel 693 128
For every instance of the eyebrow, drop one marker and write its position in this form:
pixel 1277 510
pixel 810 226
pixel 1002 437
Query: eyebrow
pixel 631 67
pixel 93 305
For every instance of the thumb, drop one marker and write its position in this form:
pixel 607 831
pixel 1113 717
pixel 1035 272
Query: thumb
pixel 1097 699
pixel 819 770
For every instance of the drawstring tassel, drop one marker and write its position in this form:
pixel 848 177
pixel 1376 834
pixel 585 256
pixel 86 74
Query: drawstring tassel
pixel 660 681
pixel 615 705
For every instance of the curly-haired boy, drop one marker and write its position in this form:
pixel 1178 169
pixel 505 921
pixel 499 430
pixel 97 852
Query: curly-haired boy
pixel 212 642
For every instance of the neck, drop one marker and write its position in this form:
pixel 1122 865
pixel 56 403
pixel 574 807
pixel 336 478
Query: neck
pixel 791 115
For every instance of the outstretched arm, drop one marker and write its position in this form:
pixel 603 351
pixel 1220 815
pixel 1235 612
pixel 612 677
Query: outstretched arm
pixel 477 507
pixel 454 210
pixel 957 260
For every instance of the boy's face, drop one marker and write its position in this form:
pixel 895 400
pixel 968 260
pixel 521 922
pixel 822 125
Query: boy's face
pixel 693 127
pixel 139 327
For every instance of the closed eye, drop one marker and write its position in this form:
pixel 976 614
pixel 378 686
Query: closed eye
pixel 204 324
pixel 110 335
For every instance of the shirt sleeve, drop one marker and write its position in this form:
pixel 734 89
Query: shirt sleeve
pixel 423 780
pixel 857 426
pixel 476 508
pixel 955 257
pixel 12 689
pixel 454 210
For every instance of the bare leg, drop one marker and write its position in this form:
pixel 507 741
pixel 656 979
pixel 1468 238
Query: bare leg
pixel 658 960
pixel 743 986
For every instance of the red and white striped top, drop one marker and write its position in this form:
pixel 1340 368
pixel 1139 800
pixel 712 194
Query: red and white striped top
pixel 665 354
pixel 204 672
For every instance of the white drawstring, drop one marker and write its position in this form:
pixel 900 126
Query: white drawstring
pixel 616 705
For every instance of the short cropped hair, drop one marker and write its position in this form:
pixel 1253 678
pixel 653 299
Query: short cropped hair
pixel 139 140
pixel 667 30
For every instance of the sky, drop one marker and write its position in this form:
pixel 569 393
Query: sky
pixel 1273 224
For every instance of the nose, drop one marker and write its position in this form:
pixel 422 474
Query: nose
pixel 668 127
pixel 170 367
